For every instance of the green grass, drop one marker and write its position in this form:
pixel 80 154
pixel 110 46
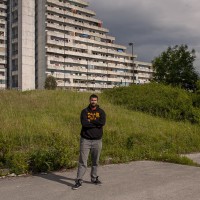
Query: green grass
pixel 158 100
pixel 40 131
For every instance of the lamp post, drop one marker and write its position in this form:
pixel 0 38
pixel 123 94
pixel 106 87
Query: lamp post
pixel 131 44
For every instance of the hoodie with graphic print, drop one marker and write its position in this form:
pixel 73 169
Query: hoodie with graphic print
pixel 92 123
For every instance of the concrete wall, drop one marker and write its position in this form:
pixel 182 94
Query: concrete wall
pixel 26 44
pixel 41 63
pixel 3 46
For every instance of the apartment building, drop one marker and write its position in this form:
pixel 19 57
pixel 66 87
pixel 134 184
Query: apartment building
pixel 74 47
pixel 143 72
pixel 63 38
pixel 3 44
pixel 21 44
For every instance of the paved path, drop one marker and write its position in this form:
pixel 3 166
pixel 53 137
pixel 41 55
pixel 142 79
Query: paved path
pixel 194 156
pixel 141 180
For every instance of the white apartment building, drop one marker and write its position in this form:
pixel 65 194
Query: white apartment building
pixel 74 47
pixel 63 38
pixel 143 72
pixel 3 44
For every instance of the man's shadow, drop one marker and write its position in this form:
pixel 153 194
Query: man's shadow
pixel 60 179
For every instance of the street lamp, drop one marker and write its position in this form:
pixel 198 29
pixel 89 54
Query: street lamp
pixel 131 44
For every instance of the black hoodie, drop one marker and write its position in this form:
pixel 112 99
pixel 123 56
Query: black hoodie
pixel 92 123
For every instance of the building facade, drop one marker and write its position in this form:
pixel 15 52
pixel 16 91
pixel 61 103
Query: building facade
pixel 21 44
pixel 143 72
pixel 76 49
pixel 3 44
pixel 63 38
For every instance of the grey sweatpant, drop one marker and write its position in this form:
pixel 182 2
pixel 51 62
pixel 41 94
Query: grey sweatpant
pixel 87 146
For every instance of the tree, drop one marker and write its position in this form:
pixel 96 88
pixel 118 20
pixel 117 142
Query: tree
pixel 198 87
pixel 50 83
pixel 175 67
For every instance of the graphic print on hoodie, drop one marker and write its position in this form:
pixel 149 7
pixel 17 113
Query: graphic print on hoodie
pixel 92 123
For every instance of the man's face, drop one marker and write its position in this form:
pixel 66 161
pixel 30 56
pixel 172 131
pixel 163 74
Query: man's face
pixel 93 102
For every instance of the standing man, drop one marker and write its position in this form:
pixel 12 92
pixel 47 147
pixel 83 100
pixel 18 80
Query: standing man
pixel 93 119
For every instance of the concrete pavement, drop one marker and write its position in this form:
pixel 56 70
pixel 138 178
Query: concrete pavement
pixel 141 180
pixel 194 156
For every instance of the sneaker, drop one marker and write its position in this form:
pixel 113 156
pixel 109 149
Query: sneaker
pixel 96 181
pixel 77 185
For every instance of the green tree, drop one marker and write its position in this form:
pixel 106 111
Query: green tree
pixel 50 83
pixel 198 87
pixel 175 67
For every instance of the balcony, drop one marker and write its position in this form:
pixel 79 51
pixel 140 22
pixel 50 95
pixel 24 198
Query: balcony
pixel 2 77
pixel 3 62
pixel 2 37
pixel 90 41
pixel 140 75
pixel 85 70
pixel 3 29
pixel 62 28
pixel 3 6
pixel 3 14
pixel 84 77
pixel 71 14
pixel 2 53
pixel 68 5
pixel 3 46
pixel 75 23
pixel 81 2
pixel 84 85
pixel 2 85
pixel 87 63
pixel 108 51
pixel 86 55
pixel 84 46
pixel 142 69
pixel 2 21
pixel 66 44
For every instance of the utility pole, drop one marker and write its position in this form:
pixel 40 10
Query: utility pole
pixel 125 71
pixel 107 68
pixel 87 63
pixel 64 50
pixel 131 44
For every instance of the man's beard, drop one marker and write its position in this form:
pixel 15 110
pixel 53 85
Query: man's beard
pixel 93 105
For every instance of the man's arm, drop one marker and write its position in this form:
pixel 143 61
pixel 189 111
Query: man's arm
pixel 84 120
pixel 101 121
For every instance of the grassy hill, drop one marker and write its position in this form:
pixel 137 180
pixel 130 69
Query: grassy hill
pixel 40 131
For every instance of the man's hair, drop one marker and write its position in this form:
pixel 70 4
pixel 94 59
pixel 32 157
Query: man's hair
pixel 93 96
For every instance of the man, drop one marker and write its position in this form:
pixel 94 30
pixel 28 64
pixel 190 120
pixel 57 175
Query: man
pixel 93 119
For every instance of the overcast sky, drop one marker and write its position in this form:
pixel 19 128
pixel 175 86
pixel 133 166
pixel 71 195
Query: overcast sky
pixel 152 25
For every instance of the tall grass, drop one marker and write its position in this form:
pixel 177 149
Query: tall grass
pixel 40 131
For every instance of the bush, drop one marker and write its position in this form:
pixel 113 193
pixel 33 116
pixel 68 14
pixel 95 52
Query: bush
pixel 51 158
pixel 17 162
pixel 195 115
pixel 50 83
pixel 196 99
pixel 156 99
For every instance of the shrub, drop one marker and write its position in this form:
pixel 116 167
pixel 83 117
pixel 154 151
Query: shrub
pixel 17 162
pixel 156 99
pixel 50 83
pixel 196 99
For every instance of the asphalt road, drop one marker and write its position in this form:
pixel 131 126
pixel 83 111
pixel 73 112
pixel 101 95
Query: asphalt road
pixel 141 180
